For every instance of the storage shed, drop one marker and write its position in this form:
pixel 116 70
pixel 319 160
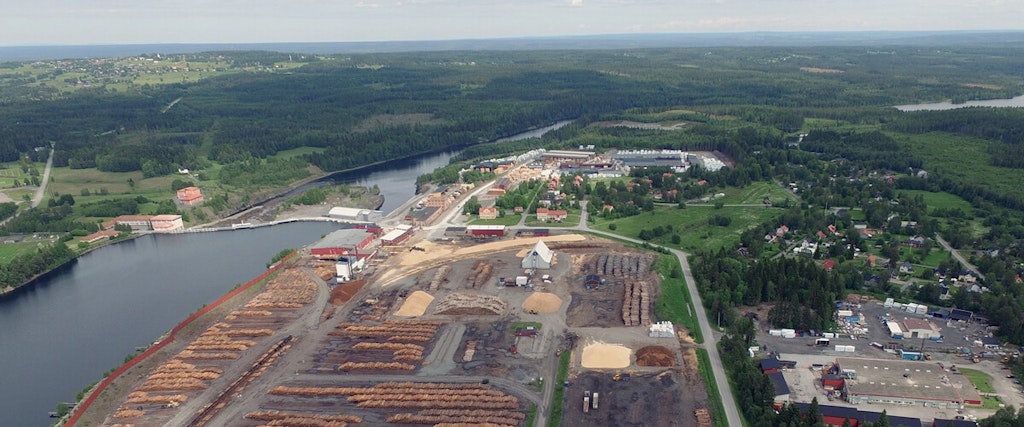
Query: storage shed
pixel 539 257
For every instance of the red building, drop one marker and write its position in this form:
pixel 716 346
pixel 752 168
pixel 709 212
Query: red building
pixel 190 196
pixel 342 243
pixel 486 230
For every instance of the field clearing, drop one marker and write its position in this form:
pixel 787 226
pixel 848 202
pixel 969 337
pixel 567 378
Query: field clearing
pixel 756 193
pixel 674 303
pixel 9 251
pixel 72 181
pixel 941 200
pixel 950 153
pixel 11 171
pixel 691 224
pixel 283 154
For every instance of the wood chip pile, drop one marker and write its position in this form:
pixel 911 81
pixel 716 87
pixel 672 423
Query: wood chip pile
pixel 703 417
pixel 435 403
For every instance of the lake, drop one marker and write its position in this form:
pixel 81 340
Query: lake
pixel 1017 101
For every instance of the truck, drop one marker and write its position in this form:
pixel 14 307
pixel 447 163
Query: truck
pixel 586 404
pixel 822 342
pixel 593 400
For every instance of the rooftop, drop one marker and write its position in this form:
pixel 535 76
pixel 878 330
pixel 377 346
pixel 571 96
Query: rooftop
pixel 896 378
pixel 912 324
pixel 347 238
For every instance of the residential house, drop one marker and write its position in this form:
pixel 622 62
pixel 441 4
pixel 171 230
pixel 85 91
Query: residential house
pixel 190 196
pixel 906 268
pixel 488 213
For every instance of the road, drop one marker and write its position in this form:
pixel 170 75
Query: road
pixel 46 179
pixel 956 254
pixel 710 344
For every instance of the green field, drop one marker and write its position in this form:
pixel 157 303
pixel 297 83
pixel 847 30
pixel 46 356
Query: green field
pixel 940 200
pixel 948 155
pixel 8 251
pixel 571 220
pixel 11 171
pixel 556 400
pixel 296 152
pixel 755 194
pixel 505 220
pixel 674 303
pixel 692 225
pixel 714 395
pixel 981 380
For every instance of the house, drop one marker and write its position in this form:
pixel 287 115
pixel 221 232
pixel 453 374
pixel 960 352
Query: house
pixel 906 268
pixel 190 196
pixel 872 259
pixel 488 213
pixel 540 257
pixel 100 235
pixel 960 315
pixel 821 235
pixel 990 343
pixel 770 365
pixel 867 233
pixel 781 231
pixel 915 242
pixel 545 214
pixel 828 265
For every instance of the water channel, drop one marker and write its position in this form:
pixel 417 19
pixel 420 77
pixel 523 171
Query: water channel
pixel 64 331
pixel 1017 101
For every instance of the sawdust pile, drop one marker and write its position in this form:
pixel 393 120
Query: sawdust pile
pixel 342 293
pixel 471 305
pixel 415 305
pixel 601 355
pixel 655 355
pixel 542 302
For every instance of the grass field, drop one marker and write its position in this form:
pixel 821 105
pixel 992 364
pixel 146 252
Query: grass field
pixel 8 251
pixel 674 302
pixel 963 159
pixel 296 152
pixel 981 380
pixel 691 224
pixel 756 193
pixel 505 220
pixel 11 171
pixel 571 220
pixel 714 395
pixel 940 200
pixel 556 400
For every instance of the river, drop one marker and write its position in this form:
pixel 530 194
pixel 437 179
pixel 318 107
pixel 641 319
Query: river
pixel 1017 101
pixel 64 331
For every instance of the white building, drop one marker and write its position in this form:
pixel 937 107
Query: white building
pixel 663 329
pixel 347 267
pixel 539 257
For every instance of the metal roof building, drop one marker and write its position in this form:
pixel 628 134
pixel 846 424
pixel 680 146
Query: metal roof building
pixel 906 383
pixel 342 242
pixel 539 257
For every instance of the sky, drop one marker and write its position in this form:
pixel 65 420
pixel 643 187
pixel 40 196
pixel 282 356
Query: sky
pixel 84 22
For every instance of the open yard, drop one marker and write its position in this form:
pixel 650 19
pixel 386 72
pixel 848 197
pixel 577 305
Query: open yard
pixel 981 380
pixel 756 193
pixel 940 200
pixel 8 251
pixel 691 224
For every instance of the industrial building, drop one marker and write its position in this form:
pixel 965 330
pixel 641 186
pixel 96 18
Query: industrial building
pixel 903 383
pixel 919 328
pixel 782 390
pixel 347 266
pixel 341 243
pixel 167 224
pixel 397 236
pixel 157 223
pixel 485 230
pixel 423 216
pixel 539 257
pixel 837 415
pixel 354 214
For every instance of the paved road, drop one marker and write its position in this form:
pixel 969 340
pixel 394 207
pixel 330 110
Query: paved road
pixel 956 254
pixel 732 413
pixel 46 179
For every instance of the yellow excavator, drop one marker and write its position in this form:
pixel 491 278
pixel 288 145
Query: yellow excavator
pixel 620 377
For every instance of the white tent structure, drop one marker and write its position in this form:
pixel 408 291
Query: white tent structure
pixel 539 257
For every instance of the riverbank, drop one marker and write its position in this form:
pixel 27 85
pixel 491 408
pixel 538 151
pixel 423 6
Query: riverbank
pixel 99 400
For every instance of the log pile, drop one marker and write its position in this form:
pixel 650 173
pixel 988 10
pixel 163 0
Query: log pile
pixel 440 277
pixel 123 412
pixel 435 403
pixel 636 307
pixel 144 398
pixel 481 274
pixel 298 416
pixel 292 288
pixel 703 417
pixel 471 305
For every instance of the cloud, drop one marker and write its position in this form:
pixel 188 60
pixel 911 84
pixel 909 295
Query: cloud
pixel 576 2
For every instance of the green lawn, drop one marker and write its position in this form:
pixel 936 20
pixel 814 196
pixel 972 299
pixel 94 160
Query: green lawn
pixel 505 220
pixel 296 152
pixel 755 194
pixel 571 220
pixel 556 400
pixel 674 302
pixel 8 251
pixel 691 224
pixel 941 200
pixel 981 380
pixel 714 395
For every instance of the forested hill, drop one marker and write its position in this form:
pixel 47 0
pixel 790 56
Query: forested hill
pixel 228 107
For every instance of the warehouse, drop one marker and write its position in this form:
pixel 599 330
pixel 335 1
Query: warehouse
pixel 838 415
pixel 919 328
pixel 485 230
pixel 354 214
pixel 397 236
pixel 904 383
pixel 341 243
